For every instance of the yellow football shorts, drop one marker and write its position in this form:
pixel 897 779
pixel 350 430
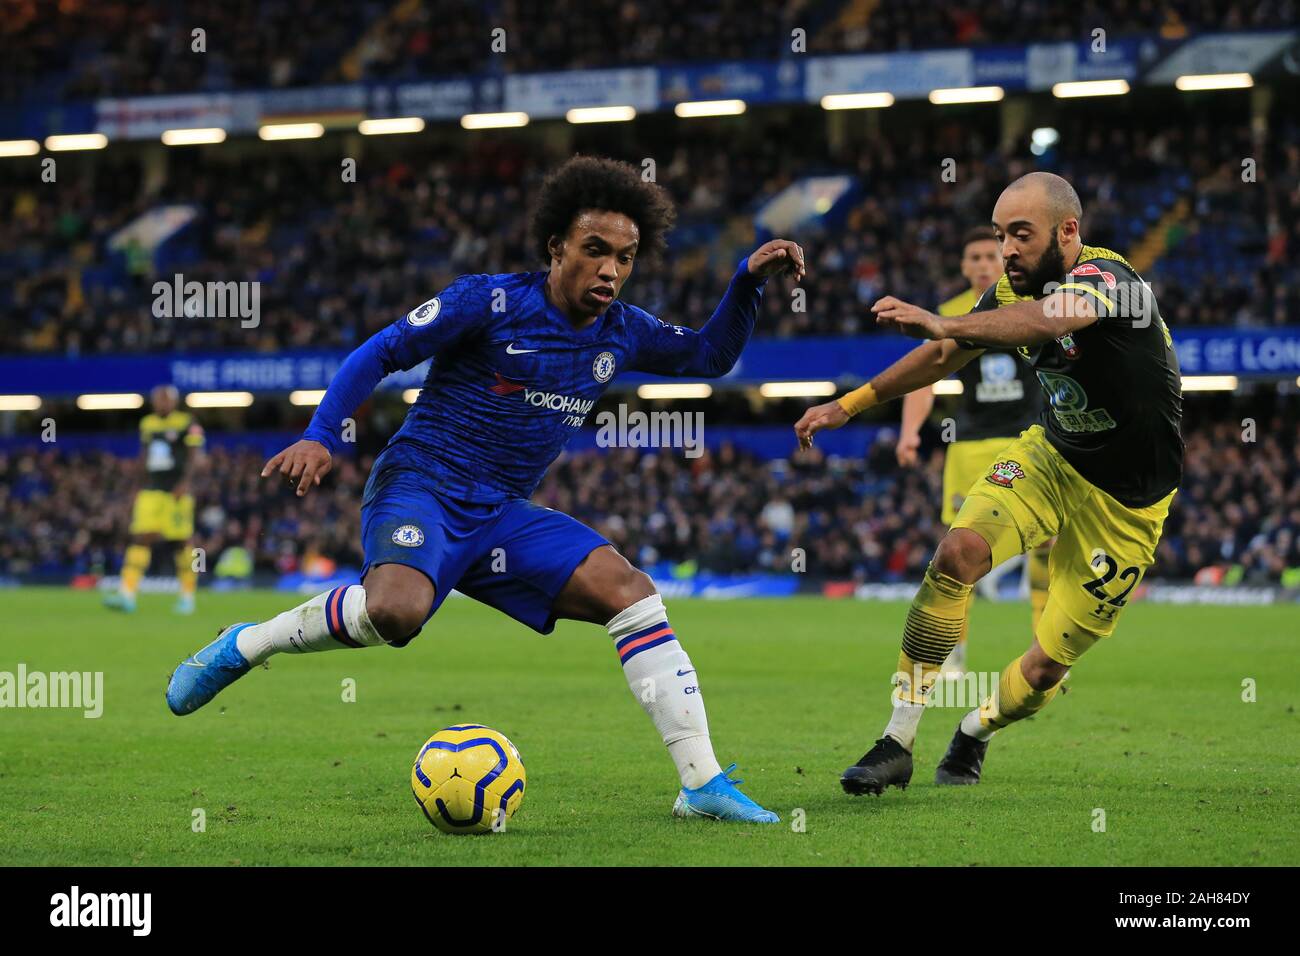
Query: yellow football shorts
pixel 162 513
pixel 965 463
pixel 1028 494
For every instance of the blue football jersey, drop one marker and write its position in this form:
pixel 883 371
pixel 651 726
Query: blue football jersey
pixel 511 379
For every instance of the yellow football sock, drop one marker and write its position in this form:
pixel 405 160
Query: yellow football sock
pixel 1038 581
pixel 134 565
pixel 965 624
pixel 1015 699
pixel 935 623
pixel 185 572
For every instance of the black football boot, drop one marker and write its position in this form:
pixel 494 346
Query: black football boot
pixel 886 764
pixel 961 765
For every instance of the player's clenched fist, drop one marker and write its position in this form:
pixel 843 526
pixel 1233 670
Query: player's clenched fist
pixel 303 463
pixel 909 319
pixel 830 415
pixel 778 256
pixel 908 450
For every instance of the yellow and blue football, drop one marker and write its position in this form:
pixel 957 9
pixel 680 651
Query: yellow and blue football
pixel 468 779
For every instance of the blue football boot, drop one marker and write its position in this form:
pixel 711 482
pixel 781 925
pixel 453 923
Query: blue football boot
pixel 207 672
pixel 117 601
pixel 719 799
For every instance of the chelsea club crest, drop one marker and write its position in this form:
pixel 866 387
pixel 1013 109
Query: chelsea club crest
pixel 603 367
pixel 408 536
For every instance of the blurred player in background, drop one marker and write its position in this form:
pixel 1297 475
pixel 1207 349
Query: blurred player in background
pixel 1098 473
pixel 171 451
pixel 519 360
pixel 1000 398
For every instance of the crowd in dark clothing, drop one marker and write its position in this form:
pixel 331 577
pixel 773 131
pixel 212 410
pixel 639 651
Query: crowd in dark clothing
pixel 1237 512
pixel 96 48
pixel 335 261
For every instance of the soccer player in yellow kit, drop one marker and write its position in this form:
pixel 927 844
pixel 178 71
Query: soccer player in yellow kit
pixel 171 447
pixel 1099 472
pixel 1000 398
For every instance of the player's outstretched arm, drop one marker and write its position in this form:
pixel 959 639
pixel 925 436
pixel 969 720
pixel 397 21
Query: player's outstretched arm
pixel 306 461
pixel 919 368
pixel 351 385
pixel 453 314
pixel 712 351
pixel 1030 322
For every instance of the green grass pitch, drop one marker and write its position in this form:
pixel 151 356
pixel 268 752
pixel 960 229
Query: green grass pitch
pixel 1153 731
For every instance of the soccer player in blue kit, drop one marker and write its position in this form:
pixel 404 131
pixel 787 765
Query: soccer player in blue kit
pixel 518 362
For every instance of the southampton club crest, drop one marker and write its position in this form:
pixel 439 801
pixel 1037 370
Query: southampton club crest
pixel 408 536
pixel 1005 472
pixel 603 367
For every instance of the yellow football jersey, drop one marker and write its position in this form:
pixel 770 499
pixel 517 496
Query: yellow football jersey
pixel 167 441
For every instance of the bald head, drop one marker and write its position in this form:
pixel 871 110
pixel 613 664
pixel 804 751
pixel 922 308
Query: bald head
pixel 1054 193
pixel 1036 221
pixel 165 398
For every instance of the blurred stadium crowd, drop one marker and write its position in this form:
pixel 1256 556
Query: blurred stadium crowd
pixel 94 48
pixel 1237 517
pixel 336 261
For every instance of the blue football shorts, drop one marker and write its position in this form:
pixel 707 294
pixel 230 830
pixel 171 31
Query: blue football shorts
pixel 514 555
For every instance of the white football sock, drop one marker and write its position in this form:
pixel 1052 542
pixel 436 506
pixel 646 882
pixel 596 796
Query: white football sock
pixel 956 660
pixel 663 679
pixel 903 723
pixel 972 726
pixel 328 621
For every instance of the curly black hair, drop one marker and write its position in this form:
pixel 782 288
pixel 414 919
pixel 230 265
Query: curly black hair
pixel 593 182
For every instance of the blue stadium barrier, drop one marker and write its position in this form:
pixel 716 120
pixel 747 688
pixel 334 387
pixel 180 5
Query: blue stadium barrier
pixel 846 360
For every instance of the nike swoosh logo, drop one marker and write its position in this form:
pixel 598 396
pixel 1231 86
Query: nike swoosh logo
pixel 684 673
pixel 511 350
pixel 195 661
